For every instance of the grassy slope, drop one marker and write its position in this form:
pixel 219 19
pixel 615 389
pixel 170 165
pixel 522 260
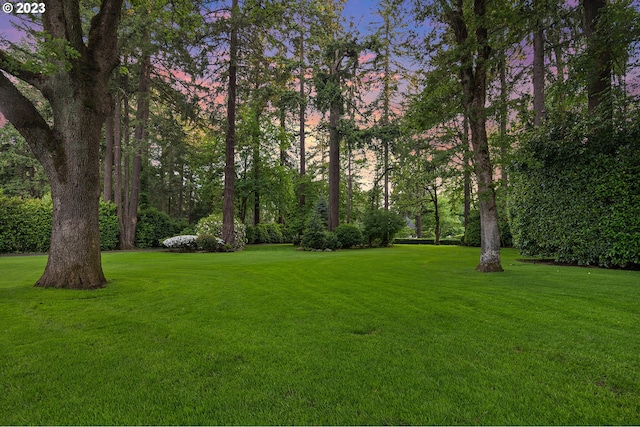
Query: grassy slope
pixel 407 335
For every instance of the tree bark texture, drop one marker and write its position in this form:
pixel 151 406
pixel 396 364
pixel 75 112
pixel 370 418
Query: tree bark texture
pixel 70 150
pixel 334 148
pixel 599 72
pixel 108 160
pixel 130 217
pixel 228 209
pixel 538 75
pixel 303 111
pixel 334 166
pixel 473 76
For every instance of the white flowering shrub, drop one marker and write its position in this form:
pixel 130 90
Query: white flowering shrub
pixel 186 242
pixel 209 230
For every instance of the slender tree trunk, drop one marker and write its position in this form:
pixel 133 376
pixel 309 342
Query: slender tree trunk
pixel 349 184
pixel 504 117
pixel 117 161
pixel 142 117
pixel 256 184
pixel 334 166
pixel 303 108
pixel 538 74
pixel 126 143
pixel 599 72
pixel 334 149
pixel 419 224
pixel 466 172
pixel 228 209
pixel 386 91
pixel 436 214
pixel 473 77
pixel 283 158
pixel 108 160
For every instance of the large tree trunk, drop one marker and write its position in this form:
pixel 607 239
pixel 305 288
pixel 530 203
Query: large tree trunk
pixel 70 150
pixel 74 254
pixel 228 208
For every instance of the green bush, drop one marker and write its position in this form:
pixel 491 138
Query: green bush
pixel 314 232
pixel 153 227
pixel 575 195
pixel 331 241
pixel 380 226
pixel 212 226
pixel 109 226
pixel 348 235
pixel 25 225
pixel 210 243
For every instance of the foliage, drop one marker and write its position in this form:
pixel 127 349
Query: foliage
pixel 576 194
pixel 380 226
pixel 348 235
pixel 268 233
pixel 183 242
pixel 472 234
pixel 314 236
pixel 210 243
pixel 209 229
pixel 20 173
pixel 25 225
pixel 109 226
pixel 153 227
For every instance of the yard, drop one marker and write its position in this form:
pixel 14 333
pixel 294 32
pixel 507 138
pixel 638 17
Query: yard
pixel 270 335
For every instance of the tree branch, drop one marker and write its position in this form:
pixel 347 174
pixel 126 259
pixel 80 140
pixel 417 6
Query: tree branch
pixel 17 69
pixel 102 43
pixel 27 120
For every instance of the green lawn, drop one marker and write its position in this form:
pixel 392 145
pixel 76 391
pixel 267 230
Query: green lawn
pixel 405 335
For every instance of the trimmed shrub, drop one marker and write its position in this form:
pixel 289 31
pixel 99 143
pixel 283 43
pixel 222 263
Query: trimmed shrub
pixel 211 227
pixel 109 226
pixel 210 243
pixel 153 227
pixel 380 226
pixel 25 225
pixel 575 194
pixel 348 235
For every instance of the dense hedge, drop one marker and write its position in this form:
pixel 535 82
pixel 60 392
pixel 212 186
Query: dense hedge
pixel 268 233
pixel 25 225
pixel 154 226
pixel 381 227
pixel 576 196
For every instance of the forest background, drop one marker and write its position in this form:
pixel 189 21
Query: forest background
pixel 520 116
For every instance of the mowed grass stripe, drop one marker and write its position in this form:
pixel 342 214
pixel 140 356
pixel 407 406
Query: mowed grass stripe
pixel 405 335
